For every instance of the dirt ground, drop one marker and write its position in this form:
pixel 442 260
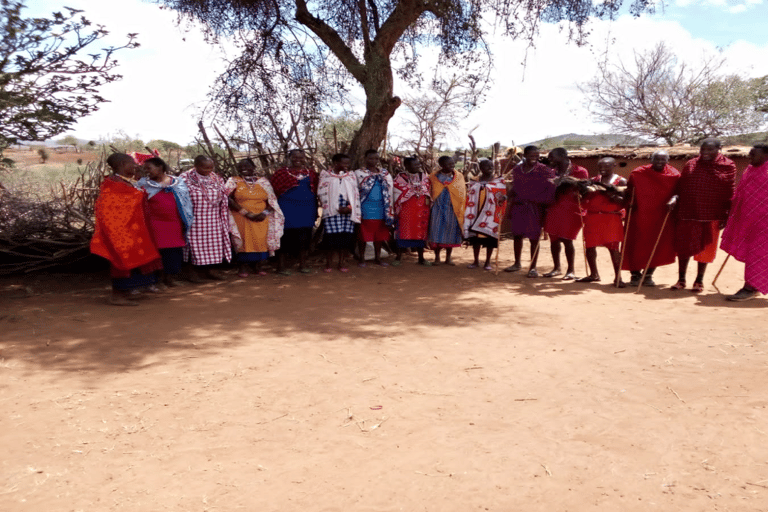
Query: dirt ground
pixel 410 388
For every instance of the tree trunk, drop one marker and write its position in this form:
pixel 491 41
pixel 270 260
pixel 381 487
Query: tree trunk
pixel 380 106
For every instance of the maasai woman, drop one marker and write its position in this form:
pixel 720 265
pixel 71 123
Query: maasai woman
pixel 122 234
pixel 486 202
pixel 340 199
pixel 449 195
pixel 170 215
pixel 376 192
pixel 412 201
pixel 209 242
pixel 296 190
pixel 258 217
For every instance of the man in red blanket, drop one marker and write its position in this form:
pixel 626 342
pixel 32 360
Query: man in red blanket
pixel 649 190
pixel 746 235
pixel 602 224
pixel 703 201
pixel 566 217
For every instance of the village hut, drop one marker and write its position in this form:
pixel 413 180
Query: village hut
pixel 630 158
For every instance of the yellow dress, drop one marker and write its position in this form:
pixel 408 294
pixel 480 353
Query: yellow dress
pixel 253 198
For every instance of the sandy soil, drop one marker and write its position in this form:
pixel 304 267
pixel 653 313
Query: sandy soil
pixel 441 389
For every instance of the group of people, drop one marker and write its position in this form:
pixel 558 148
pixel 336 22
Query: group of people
pixel 153 226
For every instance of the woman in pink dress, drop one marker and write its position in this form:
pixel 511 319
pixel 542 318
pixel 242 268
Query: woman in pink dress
pixel 170 215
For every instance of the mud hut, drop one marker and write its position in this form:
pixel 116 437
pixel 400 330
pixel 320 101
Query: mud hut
pixel 630 158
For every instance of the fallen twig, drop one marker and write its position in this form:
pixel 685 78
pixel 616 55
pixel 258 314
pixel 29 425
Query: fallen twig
pixel 675 393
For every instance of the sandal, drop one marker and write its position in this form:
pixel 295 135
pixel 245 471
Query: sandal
pixel 328 270
pixel 588 279
pixel 487 267
pixel 553 273
pixel 121 301
pixel 697 287
pixel 243 274
pixel 285 272
pixel 570 276
pixel 680 285
pixel 343 269
pixel 621 284
pixel 472 266
pixel 305 270
pixel 261 273
pixel 395 263
pixel 533 273
pixel 512 268
pixel 425 263
pixel 362 265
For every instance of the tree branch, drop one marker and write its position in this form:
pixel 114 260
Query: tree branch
pixel 332 39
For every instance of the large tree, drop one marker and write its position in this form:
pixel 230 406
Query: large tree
pixel 47 81
pixel 657 96
pixel 292 48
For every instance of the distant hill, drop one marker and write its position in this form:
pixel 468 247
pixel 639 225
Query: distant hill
pixel 576 141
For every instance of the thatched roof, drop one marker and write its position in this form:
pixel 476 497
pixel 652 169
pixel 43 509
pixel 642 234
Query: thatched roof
pixel 645 152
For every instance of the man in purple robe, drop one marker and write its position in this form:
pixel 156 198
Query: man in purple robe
pixel 532 189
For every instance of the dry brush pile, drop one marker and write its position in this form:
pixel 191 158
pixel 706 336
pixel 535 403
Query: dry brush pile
pixel 53 229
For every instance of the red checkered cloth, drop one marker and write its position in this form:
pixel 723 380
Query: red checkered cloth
pixel 209 242
pixel 746 235
pixel 705 189
pixel 285 179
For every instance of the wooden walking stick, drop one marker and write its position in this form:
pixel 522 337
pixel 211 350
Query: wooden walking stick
pixel 718 273
pixel 583 239
pixel 626 235
pixel 535 251
pixel 653 252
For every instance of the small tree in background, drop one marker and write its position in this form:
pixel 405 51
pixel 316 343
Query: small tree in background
pixel 46 83
pixel 663 99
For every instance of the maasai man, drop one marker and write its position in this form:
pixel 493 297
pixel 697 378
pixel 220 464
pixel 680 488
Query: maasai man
pixel 532 189
pixel 649 189
pixel 703 200
pixel 565 217
pixel 340 199
pixel 209 241
pixel 746 235
pixel 376 193
pixel 602 224
pixel 449 196
pixel 486 201
pixel 122 233
pixel 296 189
pixel 170 215
pixel 257 215
pixel 412 203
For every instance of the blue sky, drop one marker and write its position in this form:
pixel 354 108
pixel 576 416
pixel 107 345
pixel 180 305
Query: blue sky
pixel 720 21
pixel 166 80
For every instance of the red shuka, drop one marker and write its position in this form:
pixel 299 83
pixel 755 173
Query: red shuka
pixel 564 218
pixel 652 191
pixel 603 225
pixel 122 234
